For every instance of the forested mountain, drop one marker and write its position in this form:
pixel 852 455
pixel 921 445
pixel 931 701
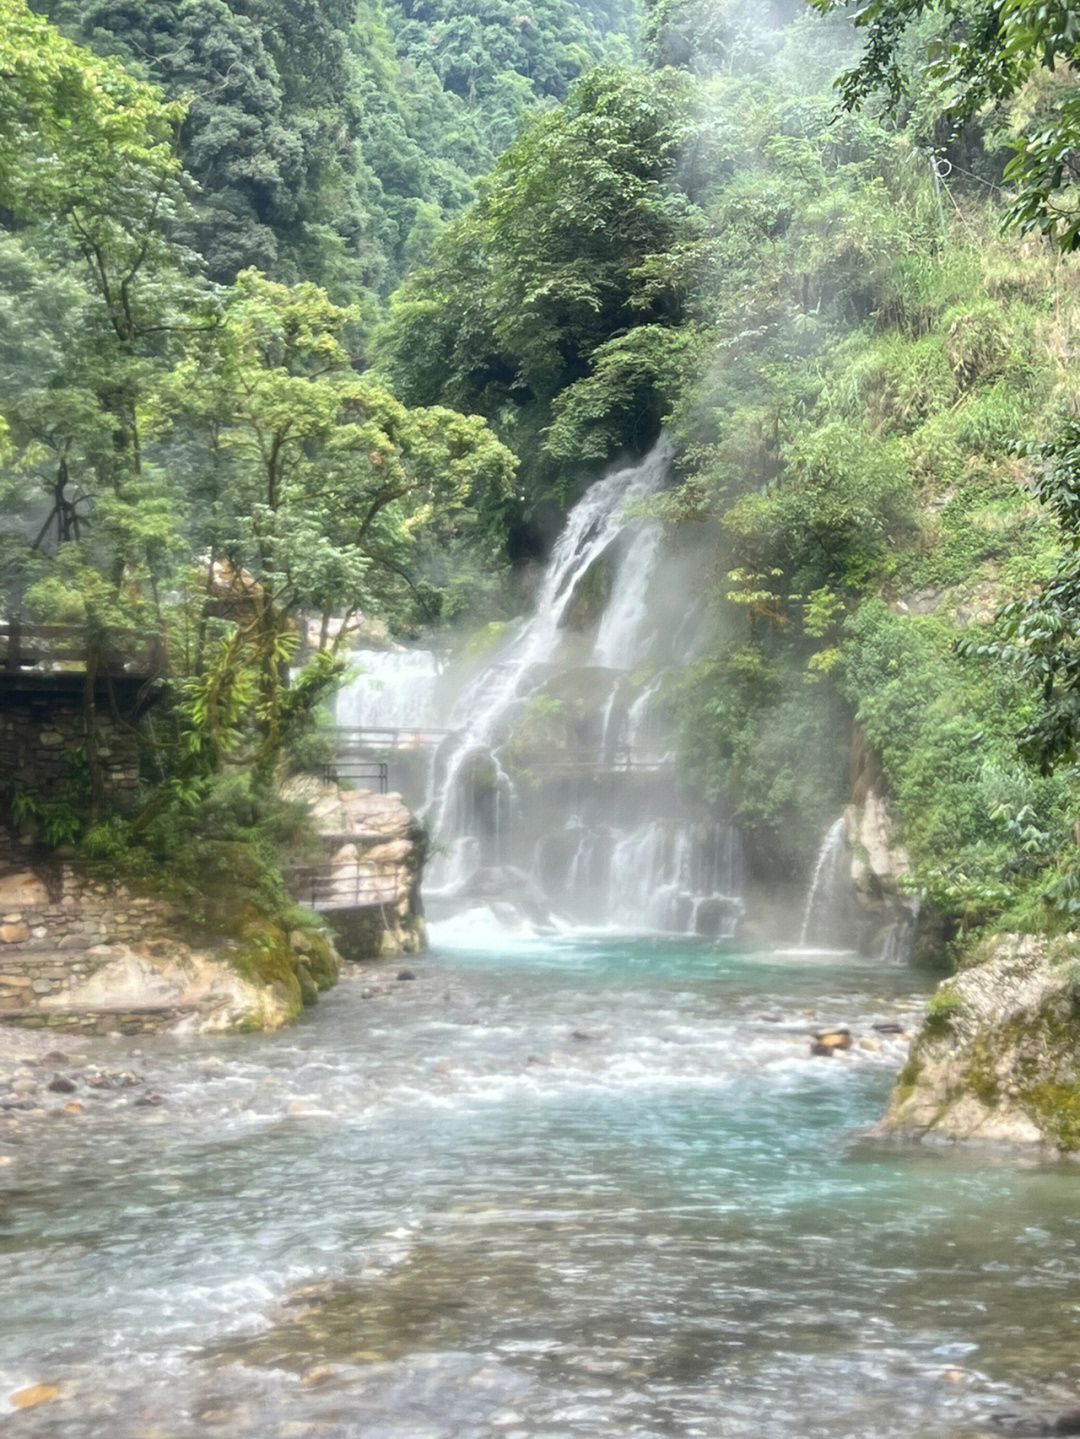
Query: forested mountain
pixel 330 138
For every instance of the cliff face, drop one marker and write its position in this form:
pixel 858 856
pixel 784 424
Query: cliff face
pixel 367 885
pixel 998 1059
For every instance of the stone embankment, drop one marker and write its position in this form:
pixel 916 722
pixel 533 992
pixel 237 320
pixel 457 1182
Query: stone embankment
pixel 998 1059
pixel 90 955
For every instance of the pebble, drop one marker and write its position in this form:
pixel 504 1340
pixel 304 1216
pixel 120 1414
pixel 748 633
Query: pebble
pixel 61 1084
pixel 149 1099
pixel 406 974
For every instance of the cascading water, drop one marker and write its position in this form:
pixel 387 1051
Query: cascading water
pixel 829 871
pixel 543 773
pixel 394 689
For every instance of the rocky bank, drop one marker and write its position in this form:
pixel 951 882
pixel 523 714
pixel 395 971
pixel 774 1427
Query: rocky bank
pixel 998 1059
pixel 89 953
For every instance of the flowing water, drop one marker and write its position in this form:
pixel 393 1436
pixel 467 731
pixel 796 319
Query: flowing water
pixel 560 1188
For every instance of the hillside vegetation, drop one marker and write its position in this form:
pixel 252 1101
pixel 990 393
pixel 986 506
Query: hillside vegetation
pixel 356 298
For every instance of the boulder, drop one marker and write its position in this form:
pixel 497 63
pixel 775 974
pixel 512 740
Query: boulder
pixel 22 891
pixel 998 1057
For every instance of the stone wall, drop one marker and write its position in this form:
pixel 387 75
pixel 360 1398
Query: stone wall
pixel 56 929
pixel 40 733
pixel 77 952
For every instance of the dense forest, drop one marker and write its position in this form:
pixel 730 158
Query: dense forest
pixel 349 300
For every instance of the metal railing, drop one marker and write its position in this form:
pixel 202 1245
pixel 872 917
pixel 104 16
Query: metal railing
pixel 365 739
pixel 370 774
pixel 359 885
pixel 50 647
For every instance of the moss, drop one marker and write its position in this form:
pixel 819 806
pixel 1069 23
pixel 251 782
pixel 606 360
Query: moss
pixel 907 1080
pixel 1055 1108
pixel 941 1009
pixel 980 1076
pixel 265 957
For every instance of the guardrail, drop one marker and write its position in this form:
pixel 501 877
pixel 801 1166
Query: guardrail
pixel 383 737
pixel 349 886
pixel 372 774
pixel 24 647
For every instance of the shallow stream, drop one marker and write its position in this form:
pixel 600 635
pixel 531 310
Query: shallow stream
pixel 566 1188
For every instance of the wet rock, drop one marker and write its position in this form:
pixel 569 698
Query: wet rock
pixel 368 992
pixel 152 1099
pixel 1036 1423
pixel 35 1395
pixel 888 1026
pixel 830 1041
pixel 404 974
pixel 73 1107
pixel 315 1378
pixel 61 1084
pixel 997 1059
pixel 583 1034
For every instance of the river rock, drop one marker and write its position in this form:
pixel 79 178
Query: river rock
pixel 34 1396
pixel 830 1041
pixel 60 1084
pixel 998 1058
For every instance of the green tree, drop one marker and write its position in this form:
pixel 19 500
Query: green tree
pixel 548 268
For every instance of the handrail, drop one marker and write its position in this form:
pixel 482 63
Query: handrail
pixel 24 647
pixel 351 886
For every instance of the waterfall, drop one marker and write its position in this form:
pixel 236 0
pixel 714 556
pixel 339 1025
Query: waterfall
pixel 828 869
pixel 390 689
pixel 481 711
pixel 585 819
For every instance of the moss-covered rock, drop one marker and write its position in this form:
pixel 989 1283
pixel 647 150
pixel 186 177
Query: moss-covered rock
pixel 998 1059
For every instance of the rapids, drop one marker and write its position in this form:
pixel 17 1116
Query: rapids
pixel 572 1187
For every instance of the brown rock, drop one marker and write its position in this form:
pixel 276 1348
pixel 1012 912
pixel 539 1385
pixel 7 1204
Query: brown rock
pixel 35 1395
pixel 74 1107
pixel 22 891
pixel 14 934
pixel 830 1041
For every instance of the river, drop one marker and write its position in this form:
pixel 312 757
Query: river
pixel 565 1188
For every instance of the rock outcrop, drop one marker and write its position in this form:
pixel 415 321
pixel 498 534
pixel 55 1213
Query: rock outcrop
pixel 998 1059
pixel 368 884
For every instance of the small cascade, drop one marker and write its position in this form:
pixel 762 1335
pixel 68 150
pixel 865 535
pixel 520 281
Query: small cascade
pixel 391 689
pixel 830 870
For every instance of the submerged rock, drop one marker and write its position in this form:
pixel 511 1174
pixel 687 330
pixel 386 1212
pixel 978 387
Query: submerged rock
pixel 998 1058
pixel 830 1041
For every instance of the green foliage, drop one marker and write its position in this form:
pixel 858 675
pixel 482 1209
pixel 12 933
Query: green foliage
pixel 982 52
pixel 531 298
pixel 980 827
